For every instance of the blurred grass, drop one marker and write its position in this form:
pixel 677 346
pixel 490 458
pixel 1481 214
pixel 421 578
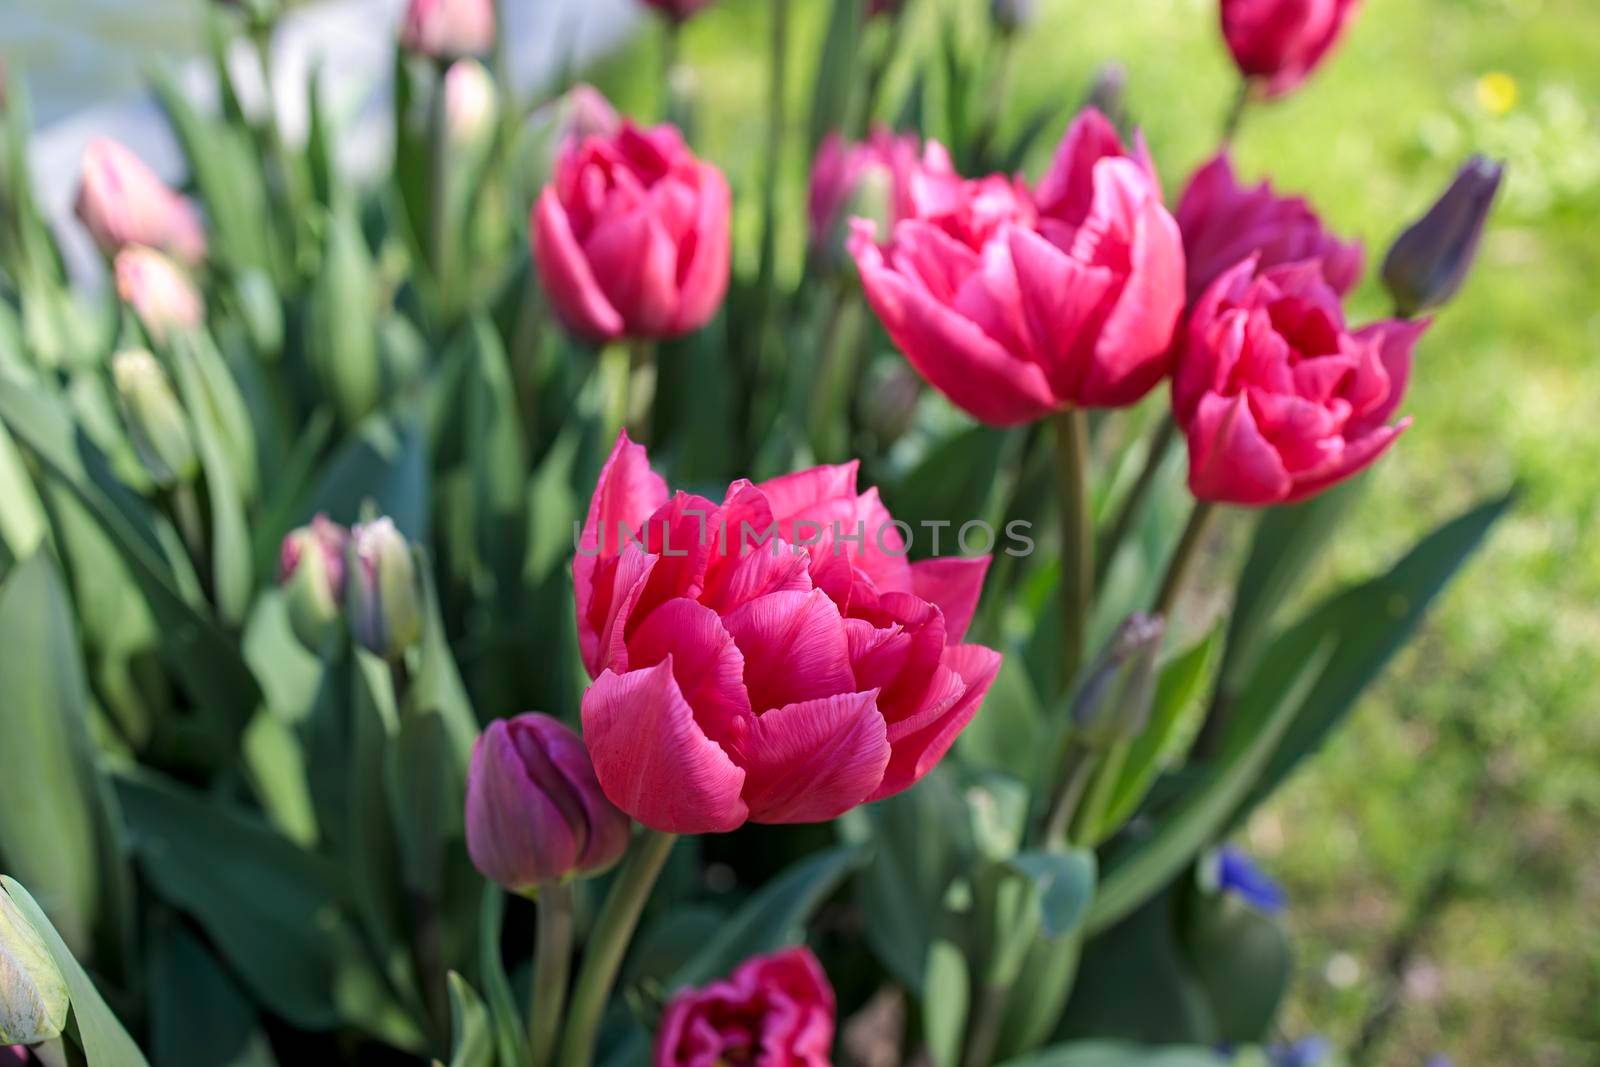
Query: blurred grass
pixel 1481 747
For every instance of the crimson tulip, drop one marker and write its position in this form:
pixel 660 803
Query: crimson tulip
pixel 1278 43
pixel 775 1010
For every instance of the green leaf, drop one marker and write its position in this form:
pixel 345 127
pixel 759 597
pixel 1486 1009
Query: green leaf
pixel 59 827
pixel 1118 1054
pixel 951 485
pixel 22 519
pixel 837 73
pixel 1065 882
pixel 511 1038
pixel 1009 735
pixel 386 462
pixel 1243 960
pixel 199 1017
pixel 946 994
pixel 775 916
pixel 105 1043
pixel 471 1038
pixel 342 319
pixel 33 993
pixel 1138 869
pixel 276 766
pixel 1367 625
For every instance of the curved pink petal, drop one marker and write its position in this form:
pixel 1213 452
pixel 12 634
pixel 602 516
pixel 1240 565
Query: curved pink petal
pixel 1064 301
pixel 1131 355
pixel 916 755
pixel 705 258
pixel 653 759
pixel 794 648
pixel 636 263
pixel 954 585
pixel 627 493
pixel 1229 460
pixel 706 663
pixel 1067 188
pixel 1356 456
pixel 1396 341
pixel 564 271
pixel 793 494
pixel 815 760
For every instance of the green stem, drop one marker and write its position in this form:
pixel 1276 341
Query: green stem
pixel 608 943
pixel 439 184
pixel 1077 766
pixel 641 391
pixel 191 523
pixel 1236 110
pixel 1077 536
pixel 986 1026
pixel 1183 557
pixel 551 968
pixel 766 277
pixel 1133 504
pixel 614 374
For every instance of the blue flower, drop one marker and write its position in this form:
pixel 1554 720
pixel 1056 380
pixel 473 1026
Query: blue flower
pixel 1237 873
pixel 1308 1051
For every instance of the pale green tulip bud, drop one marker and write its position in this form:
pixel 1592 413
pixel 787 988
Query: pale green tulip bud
pixel 1114 703
pixel 471 105
pixel 385 602
pixel 33 993
pixel 311 572
pixel 157 424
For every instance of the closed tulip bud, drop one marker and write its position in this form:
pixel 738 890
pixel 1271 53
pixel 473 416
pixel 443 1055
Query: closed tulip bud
pixel 448 29
pixel 156 420
pixel 311 571
pixel 535 810
pixel 1011 15
pixel 470 103
pixel 163 297
pixel 1108 93
pixel 382 590
pixel 33 994
pixel 122 202
pixel 1430 260
pixel 889 406
pixel 1114 703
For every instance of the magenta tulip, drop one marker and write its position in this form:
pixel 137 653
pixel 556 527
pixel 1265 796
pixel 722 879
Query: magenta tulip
pixel 1223 222
pixel 1017 304
pixel 121 202
pixel 1278 43
pixel 449 29
pixel 1278 399
pixel 776 1011
pixel 159 292
pixel 773 657
pixel 904 168
pixel 535 813
pixel 631 236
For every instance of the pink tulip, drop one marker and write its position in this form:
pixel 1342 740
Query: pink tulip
pixel 1278 43
pixel 775 1010
pixel 631 236
pixel 158 291
pixel 121 202
pixel 448 29
pixel 1014 304
pixel 1223 222
pixel 535 813
pixel 904 168
pixel 773 657
pixel 1280 400
pixel 678 10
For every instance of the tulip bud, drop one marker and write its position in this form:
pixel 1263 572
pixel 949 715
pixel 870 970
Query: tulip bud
pixel 157 424
pixel 1430 260
pixel 470 102
pixel 311 571
pixel 158 291
pixel 122 202
pixel 1011 15
pixel 384 600
pixel 1108 93
pixel 33 993
pixel 449 29
pixel 1114 702
pixel 889 405
pixel 535 810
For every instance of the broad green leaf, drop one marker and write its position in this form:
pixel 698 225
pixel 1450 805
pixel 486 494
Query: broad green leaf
pixel 59 827
pixel 22 519
pixel 1065 882
pixel 1008 734
pixel 1118 1054
pixel 33 993
pixel 1242 958
pixel 946 993
pixel 105 1043
pixel 276 766
pixel 199 1017
pixel 341 339
pixel 775 916
pixel 471 1037
pixel 837 70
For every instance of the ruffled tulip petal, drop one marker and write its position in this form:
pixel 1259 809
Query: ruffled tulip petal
pixel 916 755
pixel 705 661
pixel 653 759
pixel 953 584
pixel 1067 189
pixel 566 275
pixel 815 760
pixel 1229 460
pixel 1396 340
pixel 794 494
pixel 1356 456
pixel 627 493
pixel 794 648
pixel 1132 352
pixel 1065 301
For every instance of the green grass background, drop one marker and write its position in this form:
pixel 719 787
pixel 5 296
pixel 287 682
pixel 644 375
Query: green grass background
pixel 1479 752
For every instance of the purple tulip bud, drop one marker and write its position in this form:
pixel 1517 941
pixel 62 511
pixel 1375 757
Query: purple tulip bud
pixel 1239 875
pixel 311 570
pixel 383 594
pixel 1114 702
pixel 1430 260
pixel 535 811
pixel 1011 15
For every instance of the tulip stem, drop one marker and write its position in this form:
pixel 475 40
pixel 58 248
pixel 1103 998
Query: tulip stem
pixel 614 372
pixel 1183 557
pixel 1077 537
pixel 641 395
pixel 439 184
pixel 608 943
pixel 552 966
pixel 1076 769
pixel 1235 115
pixel 1133 504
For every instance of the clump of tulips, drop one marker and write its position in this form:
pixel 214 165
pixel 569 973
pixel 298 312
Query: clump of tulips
pixel 481 613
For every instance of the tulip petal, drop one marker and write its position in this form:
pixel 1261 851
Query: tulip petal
pixel 1131 355
pixel 815 760
pixel 1065 301
pixel 627 493
pixel 1067 189
pixel 793 494
pixel 566 275
pixel 1229 460
pixel 653 759
pixel 636 264
pixel 794 648
pixel 516 835
pixel 953 584
pixel 1357 455
pixel 705 661
pixel 704 258
pixel 916 755
pixel 1396 340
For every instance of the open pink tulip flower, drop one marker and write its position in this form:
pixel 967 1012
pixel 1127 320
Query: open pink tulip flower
pixel 449 29
pixel 1278 399
pixel 121 202
pixel 1278 43
pixel 631 235
pixel 776 1010
pixel 1017 303
pixel 1223 222
pixel 904 167
pixel 771 657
